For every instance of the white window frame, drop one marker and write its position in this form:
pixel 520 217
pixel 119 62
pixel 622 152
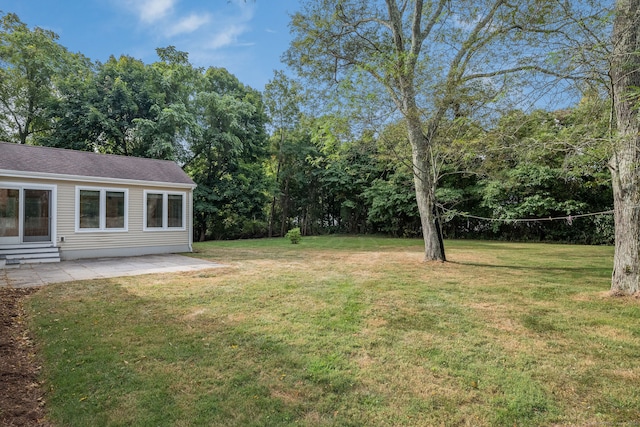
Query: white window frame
pixel 165 210
pixel 103 210
pixel 21 186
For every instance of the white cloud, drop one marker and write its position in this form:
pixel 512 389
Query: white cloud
pixel 227 36
pixel 231 28
pixel 218 29
pixel 150 11
pixel 208 31
pixel 188 25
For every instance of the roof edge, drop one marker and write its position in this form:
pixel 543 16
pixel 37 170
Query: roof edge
pixel 93 179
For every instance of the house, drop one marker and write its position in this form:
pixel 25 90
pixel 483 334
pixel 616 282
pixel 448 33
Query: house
pixel 65 204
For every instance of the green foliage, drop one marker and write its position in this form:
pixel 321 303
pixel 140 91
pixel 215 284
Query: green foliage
pixel 125 96
pixel 535 165
pixel 70 112
pixel 30 62
pixel 539 166
pixel 226 158
pixel 294 235
pixel 393 208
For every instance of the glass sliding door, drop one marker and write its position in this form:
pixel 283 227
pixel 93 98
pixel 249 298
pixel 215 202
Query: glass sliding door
pixel 9 215
pixel 37 215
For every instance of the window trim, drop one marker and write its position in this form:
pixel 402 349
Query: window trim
pixel 102 209
pixel 165 210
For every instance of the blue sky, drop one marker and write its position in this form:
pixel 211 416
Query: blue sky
pixel 245 37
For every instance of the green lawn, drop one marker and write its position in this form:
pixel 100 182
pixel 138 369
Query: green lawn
pixel 347 331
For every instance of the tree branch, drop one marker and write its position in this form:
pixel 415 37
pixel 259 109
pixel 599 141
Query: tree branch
pixel 516 70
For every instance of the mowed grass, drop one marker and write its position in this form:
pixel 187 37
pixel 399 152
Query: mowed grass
pixel 347 331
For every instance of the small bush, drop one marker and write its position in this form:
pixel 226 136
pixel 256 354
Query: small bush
pixel 294 235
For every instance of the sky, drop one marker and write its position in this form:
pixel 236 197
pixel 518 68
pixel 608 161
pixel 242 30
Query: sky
pixel 245 37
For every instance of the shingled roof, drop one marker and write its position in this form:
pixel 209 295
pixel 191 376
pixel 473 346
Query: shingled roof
pixel 72 163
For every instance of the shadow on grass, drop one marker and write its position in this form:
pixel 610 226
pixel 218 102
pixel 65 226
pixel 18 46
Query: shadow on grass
pixel 537 268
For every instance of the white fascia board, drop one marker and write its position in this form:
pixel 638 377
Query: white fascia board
pixel 92 179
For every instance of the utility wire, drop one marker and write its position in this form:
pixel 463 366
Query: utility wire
pixel 568 218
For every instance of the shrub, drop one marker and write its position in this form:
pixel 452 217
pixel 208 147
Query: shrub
pixel 294 235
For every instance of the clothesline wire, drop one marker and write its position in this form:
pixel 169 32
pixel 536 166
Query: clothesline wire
pixel 568 218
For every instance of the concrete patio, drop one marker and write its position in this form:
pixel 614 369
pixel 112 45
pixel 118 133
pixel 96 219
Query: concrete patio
pixel 31 275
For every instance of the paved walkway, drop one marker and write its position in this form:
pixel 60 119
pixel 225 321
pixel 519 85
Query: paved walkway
pixel 31 275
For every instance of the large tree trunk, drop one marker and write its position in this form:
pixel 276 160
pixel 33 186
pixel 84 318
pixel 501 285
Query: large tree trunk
pixel 625 163
pixel 626 272
pixel 425 193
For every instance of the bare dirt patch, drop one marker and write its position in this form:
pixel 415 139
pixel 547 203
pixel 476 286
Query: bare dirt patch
pixel 21 395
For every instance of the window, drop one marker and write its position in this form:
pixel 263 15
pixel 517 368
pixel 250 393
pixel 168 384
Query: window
pixel 165 211
pixel 154 210
pixel 27 213
pixel 115 209
pixel 174 210
pixel 9 212
pixel 89 209
pixel 101 209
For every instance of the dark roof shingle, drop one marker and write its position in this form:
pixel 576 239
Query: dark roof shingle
pixel 30 158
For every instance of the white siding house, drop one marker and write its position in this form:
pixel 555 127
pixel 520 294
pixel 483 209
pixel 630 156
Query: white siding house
pixel 65 204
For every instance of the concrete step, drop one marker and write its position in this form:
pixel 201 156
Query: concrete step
pixel 28 254
pixel 7 252
pixel 36 255
pixel 39 260
pixel 27 245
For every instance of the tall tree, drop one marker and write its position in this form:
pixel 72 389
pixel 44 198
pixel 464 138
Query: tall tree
pixel 625 162
pixel 166 132
pixel 437 60
pixel 282 98
pixel 228 150
pixel 124 106
pixel 124 94
pixel 69 111
pixel 29 62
